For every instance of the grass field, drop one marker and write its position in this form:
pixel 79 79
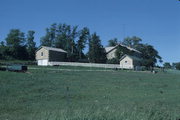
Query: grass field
pixel 47 93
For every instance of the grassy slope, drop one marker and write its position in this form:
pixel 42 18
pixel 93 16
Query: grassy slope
pixel 42 94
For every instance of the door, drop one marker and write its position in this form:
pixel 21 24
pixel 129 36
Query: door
pixel 43 62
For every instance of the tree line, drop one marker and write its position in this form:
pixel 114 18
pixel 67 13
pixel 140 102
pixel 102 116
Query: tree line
pixel 74 41
pixel 21 46
pixel 18 46
pixel 168 65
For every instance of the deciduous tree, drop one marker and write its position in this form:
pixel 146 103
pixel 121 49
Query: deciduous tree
pixel 178 66
pixel 113 42
pixel 15 42
pixel 167 65
pixel 96 52
pixel 31 45
pixel 132 41
pixel 82 41
pixel 149 55
pixel 46 40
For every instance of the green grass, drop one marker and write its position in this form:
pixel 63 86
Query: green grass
pixel 41 94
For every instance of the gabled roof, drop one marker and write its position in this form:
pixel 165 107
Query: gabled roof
pixel 52 49
pixel 109 49
pixel 132 57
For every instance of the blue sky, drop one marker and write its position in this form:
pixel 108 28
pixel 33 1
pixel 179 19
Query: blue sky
pixel 157 22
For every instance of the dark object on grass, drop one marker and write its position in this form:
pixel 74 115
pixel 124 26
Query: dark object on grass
pixel 2 69
pixel 56 65
pixel 115 69
pixel 161 92
pixel 17 68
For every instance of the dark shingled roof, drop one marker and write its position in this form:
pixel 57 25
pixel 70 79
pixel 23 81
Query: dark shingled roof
pixel 109 49
pixel 53 49
pixel 132 57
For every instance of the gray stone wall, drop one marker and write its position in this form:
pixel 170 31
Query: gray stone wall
pixel 84 64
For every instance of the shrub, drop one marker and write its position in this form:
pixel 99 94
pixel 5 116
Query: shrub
pixel 113 61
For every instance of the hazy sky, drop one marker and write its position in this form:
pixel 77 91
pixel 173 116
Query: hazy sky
pixel 157 22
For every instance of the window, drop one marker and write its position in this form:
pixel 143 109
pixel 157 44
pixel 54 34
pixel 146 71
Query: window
pixel 125 61
pixel 41 53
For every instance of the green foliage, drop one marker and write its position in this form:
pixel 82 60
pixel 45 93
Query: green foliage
pixel 149 55
pixel 15 42
pixel 31 45
pixel 121 51
pixel 17 46
pixel 167 65
pixel 66 37
pixel 82 41
pixel 50 37
pixel 113 61
pixel 113 42
pixel 132 42
pixel 178 66
pixel 15 38
pixel 97 53
pixel 45 40
pixel 3 50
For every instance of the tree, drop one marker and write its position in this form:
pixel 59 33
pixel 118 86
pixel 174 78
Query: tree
pixel 4 52
pixel 149 55
pixel 113 42
pixel 65 39
pixel 173 65
pixel 15 42
pixel 52 32
pixel 15 38
pixel 81 43
pixel 31 45
pixel 113 61
pixel 50 36
pixel 46 40
pixel 96 52
pixel 178 66
pixel 132 41
pixel 2 43
pixel 167 65
pixel 2 48
pixel 62 36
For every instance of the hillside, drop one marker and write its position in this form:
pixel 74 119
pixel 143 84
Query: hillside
pixel 47 93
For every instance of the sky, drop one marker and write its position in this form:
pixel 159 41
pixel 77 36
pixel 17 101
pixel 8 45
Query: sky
pixel 156 22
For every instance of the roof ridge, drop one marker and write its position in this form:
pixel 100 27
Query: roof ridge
pixel 53 49
pixel 130 48
pixel 131 56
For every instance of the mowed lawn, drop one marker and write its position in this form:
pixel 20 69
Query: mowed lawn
pixel 52 94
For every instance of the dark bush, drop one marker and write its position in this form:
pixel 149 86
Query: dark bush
pixel 113 61
pixel 178 66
